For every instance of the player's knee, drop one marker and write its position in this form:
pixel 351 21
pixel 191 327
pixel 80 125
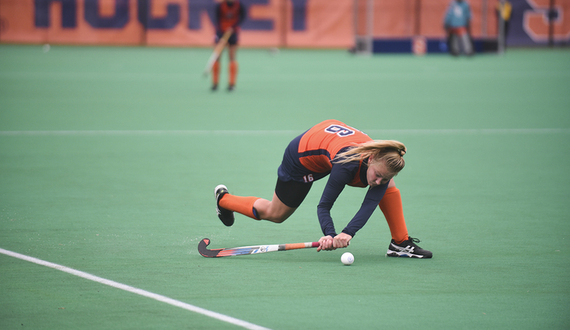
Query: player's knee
pixel 276 212
pixel 278 218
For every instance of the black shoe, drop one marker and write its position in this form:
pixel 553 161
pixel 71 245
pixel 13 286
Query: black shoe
pixel 214 87
pixel 231 88
pixel 408 249
pixel 226 216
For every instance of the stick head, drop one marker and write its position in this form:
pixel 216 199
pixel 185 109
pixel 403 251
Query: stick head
pixel 204 251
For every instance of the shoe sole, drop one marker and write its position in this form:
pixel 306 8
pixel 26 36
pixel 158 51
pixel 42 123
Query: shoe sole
pixel 395 254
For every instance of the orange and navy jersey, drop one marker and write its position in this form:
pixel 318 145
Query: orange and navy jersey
pixel 331 136
pixel 310 157
pixel 229 15
pixel 317 147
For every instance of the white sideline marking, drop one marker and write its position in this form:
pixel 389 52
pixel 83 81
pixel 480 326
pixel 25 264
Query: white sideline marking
pixel 146 132
pixel 284 132
pixel 140 292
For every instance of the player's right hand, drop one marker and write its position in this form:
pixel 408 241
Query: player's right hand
pixel 326 243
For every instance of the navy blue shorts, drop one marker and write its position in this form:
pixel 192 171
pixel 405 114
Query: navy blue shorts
pixel 293 184
pixel 292 193
pixel 233 40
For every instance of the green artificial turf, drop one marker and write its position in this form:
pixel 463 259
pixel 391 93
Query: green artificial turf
pixel 109 157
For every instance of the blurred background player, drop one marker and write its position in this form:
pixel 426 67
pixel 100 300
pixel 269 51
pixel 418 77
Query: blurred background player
pixel 505 11
pixel 457 24
pixel 351 158
pixel 229 15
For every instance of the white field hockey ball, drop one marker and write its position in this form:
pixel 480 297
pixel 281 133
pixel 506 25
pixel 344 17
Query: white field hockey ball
pixel 347 258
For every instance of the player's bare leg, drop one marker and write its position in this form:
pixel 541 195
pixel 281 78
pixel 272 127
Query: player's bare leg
pixel 274 210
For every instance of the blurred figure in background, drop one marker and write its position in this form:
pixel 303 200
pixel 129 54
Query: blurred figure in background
pixel 229 15
pixel 457 25
pixel 504 10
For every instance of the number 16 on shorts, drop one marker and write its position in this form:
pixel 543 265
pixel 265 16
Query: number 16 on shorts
pixel 308 178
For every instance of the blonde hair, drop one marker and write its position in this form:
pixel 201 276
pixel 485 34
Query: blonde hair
pixel 391 152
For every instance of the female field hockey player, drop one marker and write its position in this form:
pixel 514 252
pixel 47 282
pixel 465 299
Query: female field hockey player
pixel 229 15
pixel 351 158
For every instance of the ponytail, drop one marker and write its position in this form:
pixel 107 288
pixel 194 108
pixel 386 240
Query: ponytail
pixel 389 151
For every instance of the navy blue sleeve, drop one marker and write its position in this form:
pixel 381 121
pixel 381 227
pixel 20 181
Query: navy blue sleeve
pixel 371 200
pixel 340 175
pixel 218 17
pixel 242 14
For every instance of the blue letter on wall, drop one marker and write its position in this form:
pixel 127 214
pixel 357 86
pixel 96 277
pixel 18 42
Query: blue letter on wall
pixel 68 13
pixel 118 21
pixel 195 9
pixel 256 24
pixel 299 15
pixel 168 22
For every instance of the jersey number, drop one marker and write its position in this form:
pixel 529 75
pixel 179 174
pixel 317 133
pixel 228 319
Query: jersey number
pixel 339 130
pixel 308 178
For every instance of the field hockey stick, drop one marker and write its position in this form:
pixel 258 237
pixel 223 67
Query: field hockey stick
pixel 217 51
pixel 242 250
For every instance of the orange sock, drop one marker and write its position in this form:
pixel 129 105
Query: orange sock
pixel 216 72
pixel 243 205
pixel 233 72
pixel 391 206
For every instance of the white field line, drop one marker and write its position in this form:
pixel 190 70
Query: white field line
pixel 484 131
pixel 143 132
pixel 170 301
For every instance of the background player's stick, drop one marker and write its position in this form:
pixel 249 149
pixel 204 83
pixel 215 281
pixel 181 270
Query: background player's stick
pixel 238 251
pixel 218 50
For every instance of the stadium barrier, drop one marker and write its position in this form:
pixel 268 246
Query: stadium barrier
pixel 397 26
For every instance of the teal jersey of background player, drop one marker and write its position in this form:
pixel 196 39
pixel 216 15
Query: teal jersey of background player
pixel 458 14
